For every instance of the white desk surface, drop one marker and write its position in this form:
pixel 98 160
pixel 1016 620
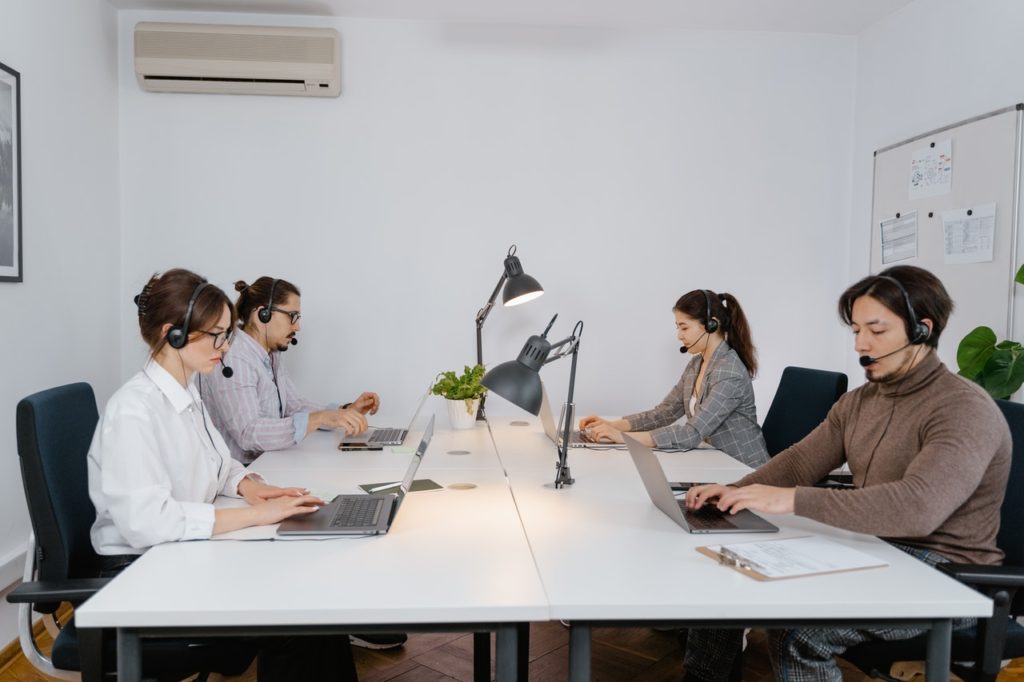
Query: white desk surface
pixel 452 556
pixel 320 450
pixel 598 550
pixel 605 552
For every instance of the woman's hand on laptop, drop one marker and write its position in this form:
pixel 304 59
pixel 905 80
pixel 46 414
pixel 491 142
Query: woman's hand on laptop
pixel 255 491
pixel 366 403
pixel 350 420
pixel 281 508
pixel 600 430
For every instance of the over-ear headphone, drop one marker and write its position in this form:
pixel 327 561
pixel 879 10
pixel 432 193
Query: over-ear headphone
pixel 918 332
pixel 265 313
pixel 177 337
pixel 711 326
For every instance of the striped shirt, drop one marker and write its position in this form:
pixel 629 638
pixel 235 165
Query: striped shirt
pixel 257 408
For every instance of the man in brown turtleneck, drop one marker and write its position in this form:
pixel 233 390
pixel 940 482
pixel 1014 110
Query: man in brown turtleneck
pixel 929 452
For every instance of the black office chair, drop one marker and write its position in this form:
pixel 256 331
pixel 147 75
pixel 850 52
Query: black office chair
pixel 993 639
pixel 801 402
pixel 54 430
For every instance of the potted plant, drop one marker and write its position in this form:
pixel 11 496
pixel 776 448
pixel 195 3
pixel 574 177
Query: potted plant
pixel 996 367
pixel 463 394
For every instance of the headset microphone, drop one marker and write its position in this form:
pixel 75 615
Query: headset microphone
pixel 866 360
pixel 686 349
pixel 294 341
pixel 226 371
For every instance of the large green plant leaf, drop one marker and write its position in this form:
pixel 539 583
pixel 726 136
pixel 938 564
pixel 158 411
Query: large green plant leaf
pixel 1019 279
pixel 974 351
pixel 464 387
pixel 1003 374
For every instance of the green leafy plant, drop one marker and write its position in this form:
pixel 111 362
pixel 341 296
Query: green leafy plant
pixel 465 387
pixel 998 367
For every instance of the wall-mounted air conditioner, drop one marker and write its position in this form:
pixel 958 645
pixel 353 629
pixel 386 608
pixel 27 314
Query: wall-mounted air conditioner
pixel 241 60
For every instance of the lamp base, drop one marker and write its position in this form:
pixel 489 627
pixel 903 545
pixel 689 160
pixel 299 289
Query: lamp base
pixel 564 477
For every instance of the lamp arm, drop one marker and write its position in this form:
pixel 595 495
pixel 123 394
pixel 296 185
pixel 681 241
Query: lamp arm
pixel 571 343
pixel 481 316
pixel 563 477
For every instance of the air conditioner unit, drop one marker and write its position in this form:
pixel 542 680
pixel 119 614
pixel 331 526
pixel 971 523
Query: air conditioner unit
pixel 240 60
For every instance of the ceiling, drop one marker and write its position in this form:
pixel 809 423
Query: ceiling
pixel 844 17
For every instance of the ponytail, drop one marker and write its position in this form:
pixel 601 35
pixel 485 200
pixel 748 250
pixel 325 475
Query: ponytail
pixel 737 333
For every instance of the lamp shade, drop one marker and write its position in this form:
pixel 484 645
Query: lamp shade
pixel 520 287
pixel 518 381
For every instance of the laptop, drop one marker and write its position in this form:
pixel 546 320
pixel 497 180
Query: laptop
pixel 576 439
pixel 707 519
pixel 359 514
pixel 380 436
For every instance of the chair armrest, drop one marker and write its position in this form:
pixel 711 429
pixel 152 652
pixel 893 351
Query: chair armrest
pixel 980 574
pixel 56 590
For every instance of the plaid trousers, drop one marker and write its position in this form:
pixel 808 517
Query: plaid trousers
pixel 805 655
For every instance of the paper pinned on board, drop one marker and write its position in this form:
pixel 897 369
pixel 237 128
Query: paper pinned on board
pixel 899 237
pixel 969 234
pixel 931 170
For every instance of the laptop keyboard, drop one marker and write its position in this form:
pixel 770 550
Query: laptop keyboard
pixel 387 436
pixel 355 512
pixel 706 518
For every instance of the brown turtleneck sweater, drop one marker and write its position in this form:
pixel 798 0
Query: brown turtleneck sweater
pixel 929 453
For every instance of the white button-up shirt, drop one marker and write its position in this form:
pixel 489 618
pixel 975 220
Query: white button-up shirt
pixel 156 464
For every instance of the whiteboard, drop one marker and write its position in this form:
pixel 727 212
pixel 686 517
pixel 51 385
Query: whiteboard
pixel 985 169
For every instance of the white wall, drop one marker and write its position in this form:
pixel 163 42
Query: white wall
pixel 629 167
pixel 933 63
pixel 59 325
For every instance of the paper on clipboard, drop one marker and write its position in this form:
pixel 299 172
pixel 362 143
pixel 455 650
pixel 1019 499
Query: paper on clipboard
pixel 790 557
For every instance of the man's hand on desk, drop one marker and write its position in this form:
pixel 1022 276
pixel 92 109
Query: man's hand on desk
pixel 366 403
pixel 350 420
pixel 255 491
pixel 760 498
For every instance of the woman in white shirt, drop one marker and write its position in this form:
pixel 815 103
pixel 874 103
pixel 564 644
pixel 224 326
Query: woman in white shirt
pixel 156 462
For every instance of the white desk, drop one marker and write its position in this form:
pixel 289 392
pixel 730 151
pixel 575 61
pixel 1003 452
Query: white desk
pixel 595 553
pixel 606 555
pixel 453 560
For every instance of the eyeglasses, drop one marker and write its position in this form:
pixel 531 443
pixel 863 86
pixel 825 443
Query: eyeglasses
pixel 293 315
pixel 219 338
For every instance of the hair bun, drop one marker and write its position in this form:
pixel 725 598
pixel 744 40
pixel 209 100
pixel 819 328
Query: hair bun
pixel 241 286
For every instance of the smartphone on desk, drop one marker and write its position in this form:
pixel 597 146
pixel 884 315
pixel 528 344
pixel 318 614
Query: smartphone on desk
pixel 359 447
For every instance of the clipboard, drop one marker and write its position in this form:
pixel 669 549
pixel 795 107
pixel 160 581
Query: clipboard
pixel 785 558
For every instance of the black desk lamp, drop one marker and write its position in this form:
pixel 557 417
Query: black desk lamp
pixel 518 381
pixel 519 288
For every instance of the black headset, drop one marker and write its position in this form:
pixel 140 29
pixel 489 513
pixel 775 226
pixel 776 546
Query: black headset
pixel 917 332
pixel 265 313
pixel 711 326
pixel 177 337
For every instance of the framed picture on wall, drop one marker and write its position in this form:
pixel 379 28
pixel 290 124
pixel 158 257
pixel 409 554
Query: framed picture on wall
pixel 10 175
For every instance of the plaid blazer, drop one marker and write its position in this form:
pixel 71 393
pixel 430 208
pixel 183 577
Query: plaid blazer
pixel 724 415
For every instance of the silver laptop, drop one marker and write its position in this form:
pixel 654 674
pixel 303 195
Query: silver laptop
pixel 707 519
pixel 576 440
pixel 379 436
pixel 359 514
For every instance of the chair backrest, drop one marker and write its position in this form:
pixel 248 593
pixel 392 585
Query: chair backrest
pixel 54 430
pixel 801 403
pixel 1011 515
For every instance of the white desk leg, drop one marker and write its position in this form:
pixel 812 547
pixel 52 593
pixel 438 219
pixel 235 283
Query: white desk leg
pixel 939 643
pixel 505 653
pixel 579 652
pixel 129 655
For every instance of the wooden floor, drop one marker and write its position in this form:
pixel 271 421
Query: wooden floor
pixel 618 654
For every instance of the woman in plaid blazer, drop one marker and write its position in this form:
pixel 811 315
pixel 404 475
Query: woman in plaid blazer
pixel 715 391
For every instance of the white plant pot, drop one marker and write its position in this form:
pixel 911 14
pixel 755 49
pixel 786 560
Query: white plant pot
pixel 462 413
